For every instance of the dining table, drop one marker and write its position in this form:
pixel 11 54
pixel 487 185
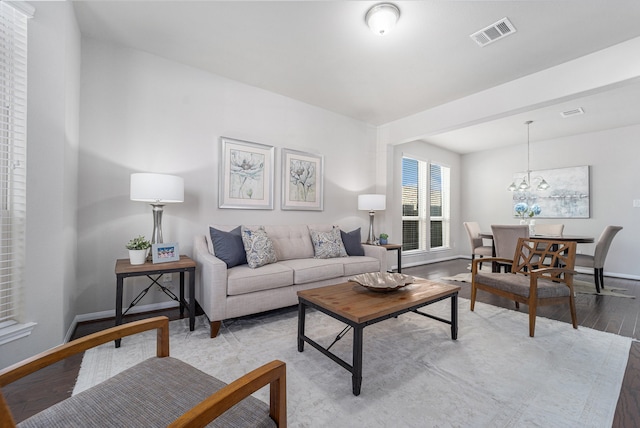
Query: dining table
pixel 578 239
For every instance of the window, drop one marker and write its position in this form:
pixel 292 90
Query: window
pixel 13 112
pixel 425 205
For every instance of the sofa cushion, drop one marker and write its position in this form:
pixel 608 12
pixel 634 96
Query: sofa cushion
pixel 228 246
pixel 291 241
pixel 311 270
pixel 352 242
pixel 258 247
pixel 243 279
pixel 357 265
pixel 327 245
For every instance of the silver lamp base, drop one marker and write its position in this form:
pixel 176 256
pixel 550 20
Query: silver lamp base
pixel 371 238
pixel 156 237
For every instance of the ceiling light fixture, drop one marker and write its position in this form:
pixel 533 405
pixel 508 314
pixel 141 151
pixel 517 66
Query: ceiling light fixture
pixel 382 17
pixel 525 184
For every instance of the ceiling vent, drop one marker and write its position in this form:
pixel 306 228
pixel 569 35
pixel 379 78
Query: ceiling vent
pixel 494 32
pixel 573 112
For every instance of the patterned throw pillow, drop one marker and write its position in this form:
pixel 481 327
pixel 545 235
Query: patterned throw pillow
pixel 258 247
pixel 328 245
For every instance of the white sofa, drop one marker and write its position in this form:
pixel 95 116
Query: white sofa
pixel 240 290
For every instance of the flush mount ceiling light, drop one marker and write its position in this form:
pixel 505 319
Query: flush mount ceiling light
pixel 382 17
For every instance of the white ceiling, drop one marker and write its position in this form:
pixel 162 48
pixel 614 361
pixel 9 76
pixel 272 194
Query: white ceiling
pixel 322 53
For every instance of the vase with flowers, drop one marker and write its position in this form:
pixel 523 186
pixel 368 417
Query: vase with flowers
pixel 521 210
pixel 534 210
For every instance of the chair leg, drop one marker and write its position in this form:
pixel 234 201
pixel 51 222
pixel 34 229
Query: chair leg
pixel 596 279
pixel 572 309
pixel 473 295
pixel 601 278
pixel 532 317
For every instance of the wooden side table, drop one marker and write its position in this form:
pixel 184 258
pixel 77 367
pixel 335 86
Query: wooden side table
pixel 397 248
pixel 124 269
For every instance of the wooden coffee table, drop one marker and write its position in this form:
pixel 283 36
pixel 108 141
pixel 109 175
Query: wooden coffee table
pixel 359 307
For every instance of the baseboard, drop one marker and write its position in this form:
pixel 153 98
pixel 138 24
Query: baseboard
pixel 112 314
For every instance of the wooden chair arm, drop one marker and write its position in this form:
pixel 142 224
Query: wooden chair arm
pixel 53 355
pixel 475 262
pixel 273 373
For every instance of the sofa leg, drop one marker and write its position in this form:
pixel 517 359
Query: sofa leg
pixel 215 328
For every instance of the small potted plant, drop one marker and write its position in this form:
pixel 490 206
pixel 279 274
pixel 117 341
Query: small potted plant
pixel 383 239
pixel 138 250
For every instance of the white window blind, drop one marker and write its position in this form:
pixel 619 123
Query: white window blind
pixel 13 112
pixel 425 205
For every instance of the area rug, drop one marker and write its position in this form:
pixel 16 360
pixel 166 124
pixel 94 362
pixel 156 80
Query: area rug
pixel 581 287
pixel 414 375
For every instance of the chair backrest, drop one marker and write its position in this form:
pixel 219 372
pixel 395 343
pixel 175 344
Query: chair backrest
pixel 473 229
pixel 602 247
pixel 533 254
pixel 550 229
pixel 505 238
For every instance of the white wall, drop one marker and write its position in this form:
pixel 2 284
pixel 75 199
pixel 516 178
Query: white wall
pixel 142 113
pixel 52 136
pixel 612 155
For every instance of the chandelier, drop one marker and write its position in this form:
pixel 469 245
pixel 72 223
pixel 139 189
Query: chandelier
pixel 525 184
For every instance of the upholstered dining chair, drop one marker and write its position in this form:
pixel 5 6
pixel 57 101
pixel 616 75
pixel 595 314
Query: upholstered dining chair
pixel 505 239
pixel 477 243
pixel 536 278
pixel 159 391
pixel 596 261
pixel 549 229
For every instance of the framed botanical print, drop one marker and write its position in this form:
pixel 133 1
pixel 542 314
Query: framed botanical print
pixel 246 175
pixel 302 180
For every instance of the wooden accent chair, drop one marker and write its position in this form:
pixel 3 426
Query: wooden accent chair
pixel 541 274
pixel 160 391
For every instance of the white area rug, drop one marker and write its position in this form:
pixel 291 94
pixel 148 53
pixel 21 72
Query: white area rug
pixel 414 375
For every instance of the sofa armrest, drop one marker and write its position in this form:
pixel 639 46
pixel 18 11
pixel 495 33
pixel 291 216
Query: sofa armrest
pixel 211 281
pixel 377 252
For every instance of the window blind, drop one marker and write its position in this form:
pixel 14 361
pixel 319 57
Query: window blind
pixel 13 112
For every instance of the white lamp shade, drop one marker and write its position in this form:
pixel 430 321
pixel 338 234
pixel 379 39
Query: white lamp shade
pixel 382 18
pixel 157 188
pixel 372 202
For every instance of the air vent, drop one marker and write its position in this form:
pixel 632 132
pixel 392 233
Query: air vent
pixel 494 32
pixel 573 112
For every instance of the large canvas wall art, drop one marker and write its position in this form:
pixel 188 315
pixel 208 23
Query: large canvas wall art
pixel 567 197
pixel 246 175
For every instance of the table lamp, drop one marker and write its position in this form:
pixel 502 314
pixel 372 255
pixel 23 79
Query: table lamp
pixel 158 189
pixel 371 203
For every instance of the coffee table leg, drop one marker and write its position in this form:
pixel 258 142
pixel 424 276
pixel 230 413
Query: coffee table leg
pixel 356 381
pixel 454 316
pixel 301 313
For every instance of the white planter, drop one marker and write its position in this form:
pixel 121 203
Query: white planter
pixel 138 257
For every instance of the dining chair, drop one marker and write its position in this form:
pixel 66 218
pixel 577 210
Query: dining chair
pixel 477 243
pixel 596 261
pixel 549 229
pixel 505 239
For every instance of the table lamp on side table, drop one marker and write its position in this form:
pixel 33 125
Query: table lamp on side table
pixel 158 189
pixel 371 203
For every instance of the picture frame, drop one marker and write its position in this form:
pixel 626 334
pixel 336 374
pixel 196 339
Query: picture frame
pixel 246 175
pixel 567 197
pixel 302 180
pixel 165 252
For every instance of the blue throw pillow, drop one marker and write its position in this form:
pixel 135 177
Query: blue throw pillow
pixel 352 242
pixel 228 246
